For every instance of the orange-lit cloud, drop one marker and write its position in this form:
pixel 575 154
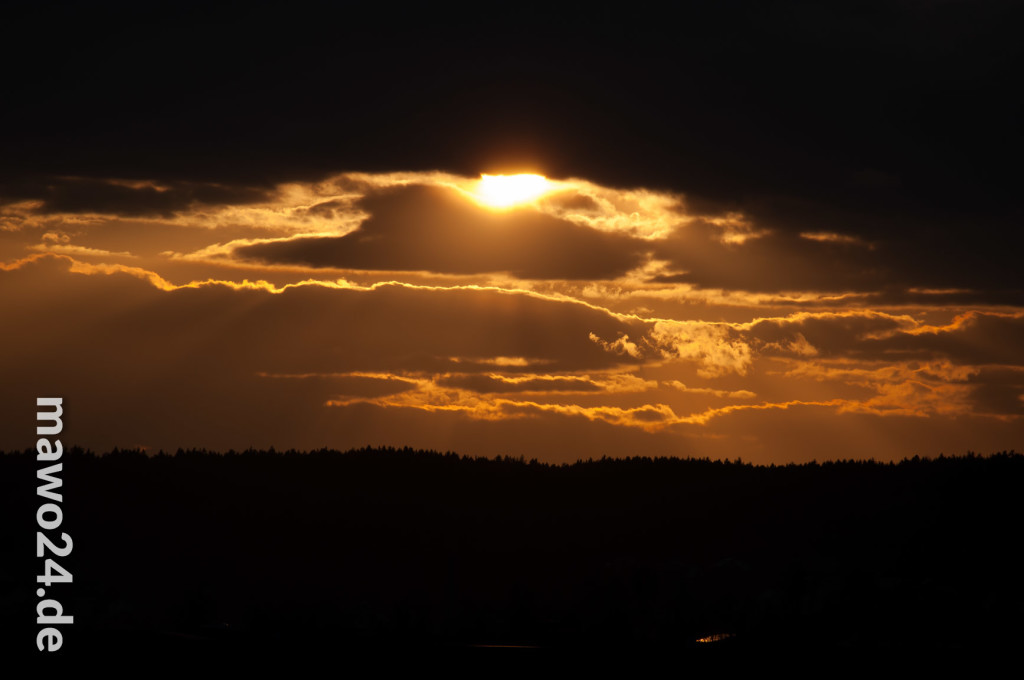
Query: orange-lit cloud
pixel 365 307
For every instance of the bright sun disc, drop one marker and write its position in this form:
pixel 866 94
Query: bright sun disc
pixel 503 191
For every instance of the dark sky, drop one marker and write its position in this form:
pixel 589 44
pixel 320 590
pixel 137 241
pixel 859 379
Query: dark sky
pixel 891 108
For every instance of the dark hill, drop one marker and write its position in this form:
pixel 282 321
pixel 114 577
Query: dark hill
pixel 269 551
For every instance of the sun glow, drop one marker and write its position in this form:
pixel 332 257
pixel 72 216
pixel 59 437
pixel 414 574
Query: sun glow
pixel 505 191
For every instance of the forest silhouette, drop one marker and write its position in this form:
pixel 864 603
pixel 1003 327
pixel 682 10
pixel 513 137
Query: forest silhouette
pixel 223 552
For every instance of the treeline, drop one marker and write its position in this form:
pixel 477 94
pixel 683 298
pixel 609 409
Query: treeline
pixel 269 549
pixel 409 452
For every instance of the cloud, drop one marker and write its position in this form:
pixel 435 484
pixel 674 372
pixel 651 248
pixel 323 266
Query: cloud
pixel 998 389
pixel 398 295
pixel 223 363
pixel 125 198
pixel 354 384
pixel 903 260
pixel 973 337
pixel 135 346
pixel 431 228
pixel 715 347
pixel 734 394
pixel 657 243
pixel 621 345
pixel 80 251
pixel 651 417
pixel 706 255
pixel 847 333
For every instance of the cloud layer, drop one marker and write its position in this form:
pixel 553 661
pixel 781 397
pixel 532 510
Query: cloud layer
pixel 397 309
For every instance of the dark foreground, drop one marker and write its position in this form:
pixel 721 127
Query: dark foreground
pixel 262 553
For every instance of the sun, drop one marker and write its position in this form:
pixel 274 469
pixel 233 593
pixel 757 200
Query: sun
pixel 505 191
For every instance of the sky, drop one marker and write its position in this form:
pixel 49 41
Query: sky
pixel 772 233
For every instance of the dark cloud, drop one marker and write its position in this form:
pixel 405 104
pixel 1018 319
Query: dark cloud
pixel 778 261
pixel 998 391
pixel 180 365
pixel 425 228
pixel 124 198
pixel 829 334
pixel 302 330
pixel 813 255
pixel 976 339
pixel 365 386
pixel 890 295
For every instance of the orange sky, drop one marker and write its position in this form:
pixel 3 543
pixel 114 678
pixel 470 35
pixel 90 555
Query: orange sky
pixel 404 309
